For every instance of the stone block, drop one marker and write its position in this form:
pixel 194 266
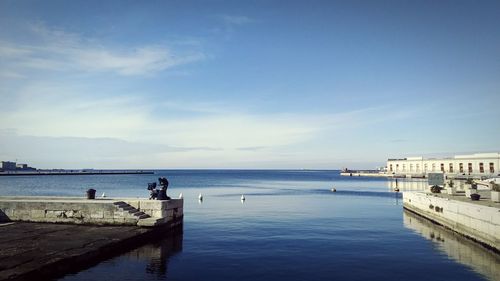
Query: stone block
pixel 150 205
pixel 118 215
pixel 21 214
pixel 157 214
pixel 38 213
pixel 108 214
pixel 97 214
pixel 495 218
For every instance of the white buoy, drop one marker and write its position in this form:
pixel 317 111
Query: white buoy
pixel 200 197
pixel 180 196
pixel 103 195
pixel 242 197
pixel 334 190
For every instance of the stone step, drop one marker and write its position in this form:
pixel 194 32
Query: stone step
pixel 144 216
pixel 150 222
pixel 120 203
pixel 131 210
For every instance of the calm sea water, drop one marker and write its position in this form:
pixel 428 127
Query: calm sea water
pixel 291 227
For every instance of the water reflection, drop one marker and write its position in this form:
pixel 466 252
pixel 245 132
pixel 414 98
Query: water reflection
pixel 458 248
pixel 156 255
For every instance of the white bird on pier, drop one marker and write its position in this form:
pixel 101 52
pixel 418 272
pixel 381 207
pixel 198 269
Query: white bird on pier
pixel 242 197
pixel 180 196
pixel 200 197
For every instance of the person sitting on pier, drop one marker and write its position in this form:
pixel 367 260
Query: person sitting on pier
pixel 162 194
pixel 153 192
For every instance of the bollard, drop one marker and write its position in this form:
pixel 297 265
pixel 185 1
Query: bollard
pixel 91 193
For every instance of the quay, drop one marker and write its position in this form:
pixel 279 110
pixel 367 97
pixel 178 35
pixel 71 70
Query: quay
pixel 75 172
pixel 44 237
pixel 477 220
pixel 364 174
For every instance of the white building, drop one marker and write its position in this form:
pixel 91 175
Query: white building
pixel 478 164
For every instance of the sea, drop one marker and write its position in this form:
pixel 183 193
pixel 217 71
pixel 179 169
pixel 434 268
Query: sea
pixel 291 226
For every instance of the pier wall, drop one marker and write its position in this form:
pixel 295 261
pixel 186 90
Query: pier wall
pixel 479 222
pixel 126 211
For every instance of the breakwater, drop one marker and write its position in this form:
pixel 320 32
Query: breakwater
pixel 75 172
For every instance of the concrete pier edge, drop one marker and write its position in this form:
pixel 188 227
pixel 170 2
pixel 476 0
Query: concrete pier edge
pixel 75 263
pixel 477 221
pixel 479 242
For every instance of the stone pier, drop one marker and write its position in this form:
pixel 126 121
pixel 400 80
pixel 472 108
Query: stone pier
pixel 45 237
pixel 102 211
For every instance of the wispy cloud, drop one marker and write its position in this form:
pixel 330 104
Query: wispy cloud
pixel 227 24
pixel 251 148
pixel 236 20
pixel 59 50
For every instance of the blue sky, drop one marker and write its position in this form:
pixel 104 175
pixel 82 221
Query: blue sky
pixel 246 84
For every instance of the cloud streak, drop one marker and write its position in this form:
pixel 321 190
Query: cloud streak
pixel 58 50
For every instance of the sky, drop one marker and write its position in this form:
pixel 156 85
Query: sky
pixel 246 84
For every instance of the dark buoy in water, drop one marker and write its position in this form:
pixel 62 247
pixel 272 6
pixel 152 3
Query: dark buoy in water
pixel 334 190
pixel 396 189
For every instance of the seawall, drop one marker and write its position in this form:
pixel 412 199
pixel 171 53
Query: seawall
pixel 102 211
pixel 479 221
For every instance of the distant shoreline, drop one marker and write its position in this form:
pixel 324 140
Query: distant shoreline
pixel 76 173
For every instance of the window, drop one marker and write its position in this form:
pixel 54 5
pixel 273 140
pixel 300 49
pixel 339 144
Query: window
pixel 469 166
pixel 390 167
pixel 451 167
pixel 404 168
pixel 461 167
pixel 442 167
pixel 492 168
pixel 481 168
pixel 411 167
pixel 397 167
pixel 425 167
pixel 433 167
pixel 418 168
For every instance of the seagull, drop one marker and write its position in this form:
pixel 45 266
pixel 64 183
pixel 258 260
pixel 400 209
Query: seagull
pixel 103 195
pixel 242 197
pixel 180 196
pixel 200 197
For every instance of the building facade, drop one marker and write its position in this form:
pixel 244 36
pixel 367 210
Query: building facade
pixel 478 164
pixel 8 166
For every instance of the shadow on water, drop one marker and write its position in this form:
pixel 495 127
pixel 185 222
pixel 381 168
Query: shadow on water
pixel 151 258
pixel 456 247
pixel 157 255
